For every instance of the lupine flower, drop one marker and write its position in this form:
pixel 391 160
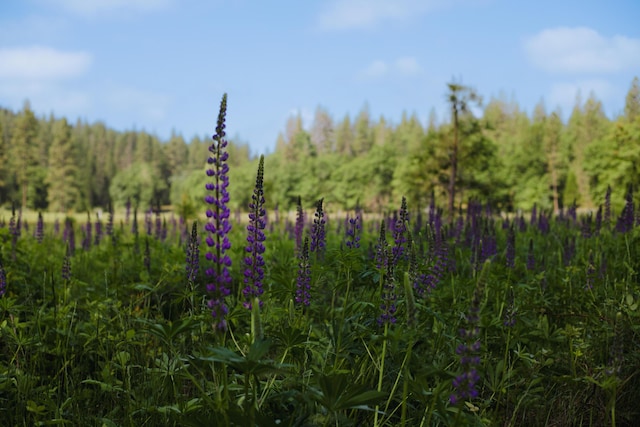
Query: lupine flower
pixel 598 224
pixel 303 280
pixel 158 229
pixel 511 247
pixel 353 232
pixel 317 230
pixel 254 262
pixel 148 222
pixel 134 230
pixel 66 264
pixel 3 279
pixel 465 384
pixel 193 254
pixel 109 227
pixel 218 225
pixel 531 261
pixel 69 236
pixel 98 236
pixel 569 250
pixel 56 227
pixel 425 283
pixel 299 229
pixel 147 255
pixel 14 231
pixel 40 228
pixel 627 218
pixel 381 248
pixel 87 230
pixel 400 233
pixel 511 311
pixel 388 306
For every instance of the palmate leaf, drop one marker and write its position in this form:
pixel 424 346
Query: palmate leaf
pixel 249 364
pixel 338 393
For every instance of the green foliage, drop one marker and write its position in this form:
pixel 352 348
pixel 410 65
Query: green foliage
pixel 141 183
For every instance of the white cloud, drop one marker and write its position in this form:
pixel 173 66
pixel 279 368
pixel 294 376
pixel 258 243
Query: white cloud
pixel 349 14
pixel 582 50
pixel 42 63
pixel 407 65
pixel 96 7
pixel 404 66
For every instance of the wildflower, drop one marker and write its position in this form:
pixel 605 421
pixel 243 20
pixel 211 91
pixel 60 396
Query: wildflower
pixel 425 283
pixel 626 220
pixel 39 228
pixel 303 281
pixel 3 279
pixel 193 254
pixel 607 207
pixel 353 232
pixel 389 297
pixel 98 236
pixel 381 248
pixel 317 230
pixel 511 247
pixel 299 228
pixel 147 221
pixel 465 383
pixel 254 262
pixel 68 235
pixel 531 261
pixel 66 264
pixel 400 232
pixel 87 230
pixel 218 225
pixel 510 312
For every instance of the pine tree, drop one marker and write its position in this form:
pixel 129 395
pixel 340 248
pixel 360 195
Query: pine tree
pixel 23 147
pixel 62 169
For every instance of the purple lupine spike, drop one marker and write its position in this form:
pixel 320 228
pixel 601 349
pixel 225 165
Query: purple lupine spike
pixel 40 228
pixel 510 254
pixel 218 225
pixel 598 222
pixel 626 220
pixel 607 207
pixel 400 233
pixel 353 232
pixel 254 261
pixel 3 279
pixel 69 235
pixel 531 261
pixel 317 230
pixel 388 305
pixel 109 226
pixel 193 254
pixel 147 255
pixel 87 230
pixel 147 221
pixel 381 248
pixel 510 312
pixel 465 384
pixel 425 283
pixel 303 280
pixel 299 228
pixel 98 235
pixel 569 250
pixel 56 227
pixel 66 264
pixel 158 224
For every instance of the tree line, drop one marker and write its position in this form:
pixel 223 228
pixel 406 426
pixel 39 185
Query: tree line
pixel 502 155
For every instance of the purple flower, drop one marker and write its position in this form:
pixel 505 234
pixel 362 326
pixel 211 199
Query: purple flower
pixel 303 280
pixel 66 264
pixel 317 230
pixel 254 262
pixel 465 383
pixel 388 305
pixel 68 235
pixel 98 236
pixel 3 279
pixel 607 206
pixel 400 232
pixel 531 261
pixel 425 283
pixel 353 232
pixel 626 219
pixel 39 228
pixel 299 228
pixel 381 248
pixel 218 225
pixel 193 254
pixel 511 247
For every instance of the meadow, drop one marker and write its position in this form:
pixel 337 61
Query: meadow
pixel 406 318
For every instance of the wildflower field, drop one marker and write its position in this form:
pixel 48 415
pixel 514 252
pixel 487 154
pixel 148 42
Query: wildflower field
pixel 407 318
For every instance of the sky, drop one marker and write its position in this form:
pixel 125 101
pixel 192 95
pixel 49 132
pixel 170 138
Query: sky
pixel 163 65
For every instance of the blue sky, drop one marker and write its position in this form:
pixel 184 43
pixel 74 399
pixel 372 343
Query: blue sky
pixel 163 65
